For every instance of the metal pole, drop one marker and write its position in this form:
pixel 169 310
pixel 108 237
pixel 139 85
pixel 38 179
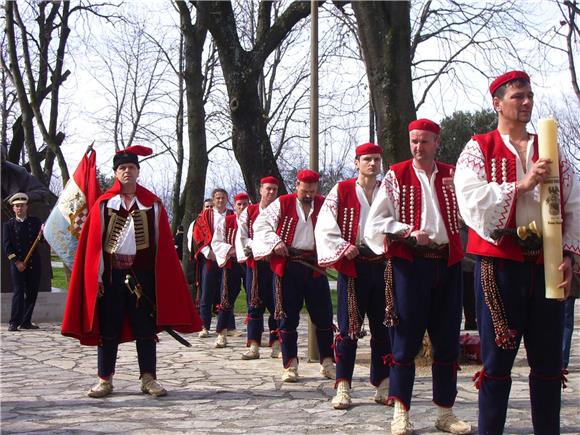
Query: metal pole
pixel 313 355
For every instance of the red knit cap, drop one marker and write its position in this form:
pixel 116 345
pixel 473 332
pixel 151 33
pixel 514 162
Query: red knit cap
pixel 367 148
pixel 424 124
pixel 241 196
pixel 270 180
pixel 308 176
pixel 506 78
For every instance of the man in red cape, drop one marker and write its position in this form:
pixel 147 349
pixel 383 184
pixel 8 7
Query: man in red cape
pixel 127 236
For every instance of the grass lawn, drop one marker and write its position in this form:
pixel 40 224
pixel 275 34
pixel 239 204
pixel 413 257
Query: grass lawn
pixel 59 281
pixel 58 278
pixel 241 307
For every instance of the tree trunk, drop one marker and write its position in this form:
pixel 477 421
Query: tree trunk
pixel 242 70
pixel 384 31
pixel 250 140
pixel 175 198
pixel 194 38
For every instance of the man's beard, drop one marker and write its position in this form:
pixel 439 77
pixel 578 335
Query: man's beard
pixel 306 200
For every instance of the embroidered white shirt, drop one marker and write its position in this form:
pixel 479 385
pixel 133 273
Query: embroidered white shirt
pixel 330 245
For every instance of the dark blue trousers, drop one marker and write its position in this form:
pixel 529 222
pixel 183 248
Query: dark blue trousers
pixel 256 313
pixel 370 296
pixel 427 297
pixel 234 279
pixel 115 306
pixel 540 322
pixel 24 293
pixel 211 284
pixel 299 286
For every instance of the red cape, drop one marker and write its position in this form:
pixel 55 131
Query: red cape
pixel 175 306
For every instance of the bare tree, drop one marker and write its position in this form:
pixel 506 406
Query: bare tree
pixel 242 69
pixel 564 38
pixel 420 51
pixel 384 31
pixel 132 74
pixel 571 14
pixel 566 110
pixel 198 77
pixel 9 97
pixel 35 65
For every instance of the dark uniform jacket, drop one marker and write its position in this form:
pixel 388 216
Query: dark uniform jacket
pixel 18 237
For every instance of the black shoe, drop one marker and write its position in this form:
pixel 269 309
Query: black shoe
pixel 29 326
pixel 12 327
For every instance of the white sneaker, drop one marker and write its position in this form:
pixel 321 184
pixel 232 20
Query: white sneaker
pixel 290 374
pixel 204 333
pixel 450 423
pixel 401 425
pixel 252 353
pixel 382 393
pixel 342 399
pixel 150 386
pixel 327 369
pixel 221 341
pixel 235 333
pixel 275 349
pixel 102 389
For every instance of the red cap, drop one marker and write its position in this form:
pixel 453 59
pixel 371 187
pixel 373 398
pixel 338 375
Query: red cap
pixel 271 180
pixel 424 124
pixel 367 148
pixel 138 150
pixel 308 176
pixel 129 155
pixel 241 197
pixel 506 78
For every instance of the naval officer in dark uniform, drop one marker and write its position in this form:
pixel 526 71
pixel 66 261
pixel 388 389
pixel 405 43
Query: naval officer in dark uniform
pixel 18 236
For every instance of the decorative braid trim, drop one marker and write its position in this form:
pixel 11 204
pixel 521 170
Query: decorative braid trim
pixel 561 377
pixel 255 300
pixel 225 301
pixel 279 313
pixel 389 360
pixel 334 347
pixel 505 338
pixel 354 316
pixel 479 375
pixel 391 317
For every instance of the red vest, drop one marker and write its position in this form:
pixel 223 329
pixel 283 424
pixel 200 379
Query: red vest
pixel 287 226
pixel 203 229
pixel 410 208
pixel 348 216
pixel 253 212
pixel 500 167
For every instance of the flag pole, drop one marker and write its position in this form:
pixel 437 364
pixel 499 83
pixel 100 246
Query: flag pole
pixel 313 355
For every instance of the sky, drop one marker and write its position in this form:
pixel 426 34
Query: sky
pixel 84 95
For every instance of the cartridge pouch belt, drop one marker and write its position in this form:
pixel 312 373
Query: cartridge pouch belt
pixel 531 255
pixel 369 258
pixel 121 261
pixel 302 255
pixel 435 252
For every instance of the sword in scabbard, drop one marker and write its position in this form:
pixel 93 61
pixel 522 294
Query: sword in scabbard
pixel 527 236
pixel 135 287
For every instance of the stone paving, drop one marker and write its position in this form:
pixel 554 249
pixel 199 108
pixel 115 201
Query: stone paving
pixel 44 378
